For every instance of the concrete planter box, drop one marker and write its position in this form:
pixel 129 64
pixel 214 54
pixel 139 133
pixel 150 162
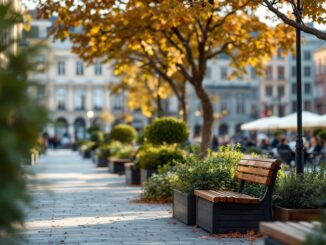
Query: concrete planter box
pixel 286 214
pixel 117 166
pixel 132 174
pixel 101 162
pixel 93 156
pixel 184 207
pixel 87 154
pixel 145 174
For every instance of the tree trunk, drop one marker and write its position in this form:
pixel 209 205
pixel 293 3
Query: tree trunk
pixel 208 118
pixel 183 107
pixel 183 103
pixel 159 106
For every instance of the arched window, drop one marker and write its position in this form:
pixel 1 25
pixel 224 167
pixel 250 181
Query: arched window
pixel 80 128
pixel 61 127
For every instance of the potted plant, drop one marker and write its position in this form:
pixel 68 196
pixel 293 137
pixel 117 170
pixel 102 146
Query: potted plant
pixel 151 158
pixel 102 154
pixel 215 172
pixel 124 135
pixel 159 135
pixel 86 149
pixel 132 171
pixel 119 158
pixel 297 198
pixel 158 189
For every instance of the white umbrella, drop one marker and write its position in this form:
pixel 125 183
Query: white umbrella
pixel 259 124
pixel 320 123
pixel 290 121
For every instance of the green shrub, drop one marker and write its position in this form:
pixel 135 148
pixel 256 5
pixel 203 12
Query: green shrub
pixel 278 132
pixel 159 187
pixel 97 137
pixel 140 139
pixel 115 150
pixel 80 142
pixel 322 135
pixel 125 152
pixel 123 133
pixel 257 190
pixel 166 130
pixel 214 172
pixel 87 146
pixel 297 192
pixel 254 149
pixel 316 132
pixel 153 157
pixel 93 128
pixel 109 150
pixel 21 119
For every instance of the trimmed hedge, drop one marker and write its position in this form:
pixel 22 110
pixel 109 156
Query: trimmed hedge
pixel 151 157
pixel 123 133
pixel 167 130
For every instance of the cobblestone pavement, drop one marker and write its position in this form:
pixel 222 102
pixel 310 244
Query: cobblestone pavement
pixel 77 203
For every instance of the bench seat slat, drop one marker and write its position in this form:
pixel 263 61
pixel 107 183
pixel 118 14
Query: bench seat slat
pixel 283 232
pixel 253 178
pixel 226 196
pixel 299 227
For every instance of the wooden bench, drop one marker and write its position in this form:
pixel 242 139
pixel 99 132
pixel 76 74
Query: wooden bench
pixel 227 211
pixel 287 233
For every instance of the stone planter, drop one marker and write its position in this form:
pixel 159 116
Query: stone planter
pixel 87 154
pixel 93 156
pixel 101 162
pixel 117 166
pixel 184 207
pixel 145 174
pixel 286 214
pixel 132 174
pixel 74 147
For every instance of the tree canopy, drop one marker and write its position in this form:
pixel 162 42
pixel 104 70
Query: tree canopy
pixel 171 37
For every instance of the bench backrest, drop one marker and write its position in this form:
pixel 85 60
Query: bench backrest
pixel 258 171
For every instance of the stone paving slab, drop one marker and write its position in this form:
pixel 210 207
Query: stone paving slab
pixel 77 203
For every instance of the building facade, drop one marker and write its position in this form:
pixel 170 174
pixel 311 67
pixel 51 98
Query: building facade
pixel 319 58
pixel 309 45
pixel 76 94
pixel 274 87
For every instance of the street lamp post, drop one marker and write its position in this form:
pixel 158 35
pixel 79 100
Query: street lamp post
pixel 299 157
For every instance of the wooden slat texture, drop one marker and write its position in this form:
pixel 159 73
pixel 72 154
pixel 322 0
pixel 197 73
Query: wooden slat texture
pixel 289 233
pixel 257 171
pixel 282 232
pixel 299 227
pixel 225 196
pixel 253 178
pixel 306 224
pixel 262 163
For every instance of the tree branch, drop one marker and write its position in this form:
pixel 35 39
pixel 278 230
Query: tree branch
pixel 319 34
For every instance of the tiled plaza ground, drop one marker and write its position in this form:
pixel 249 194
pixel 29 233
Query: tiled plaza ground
pixel 76 203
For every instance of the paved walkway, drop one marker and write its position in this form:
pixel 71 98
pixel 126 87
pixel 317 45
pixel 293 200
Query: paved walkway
pixel 76 203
